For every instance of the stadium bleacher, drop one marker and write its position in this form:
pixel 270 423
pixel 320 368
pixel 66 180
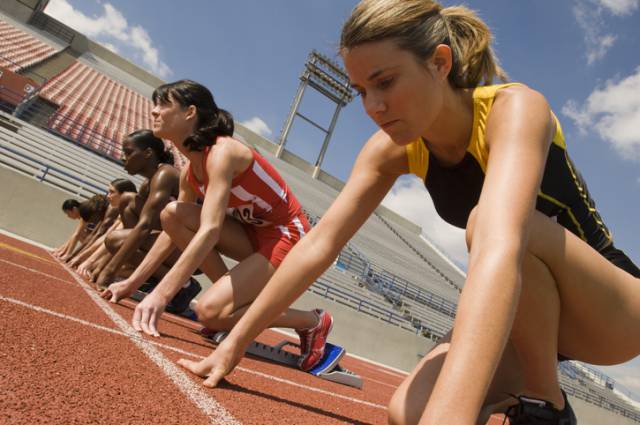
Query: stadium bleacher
pixel 19 49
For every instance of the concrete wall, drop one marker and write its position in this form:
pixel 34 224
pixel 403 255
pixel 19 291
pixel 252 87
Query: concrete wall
pixel 32 209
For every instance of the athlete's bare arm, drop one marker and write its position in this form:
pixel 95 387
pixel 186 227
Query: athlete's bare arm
pixel 226 159
pixel 378 166
pixel 519 133
pixel 159 252
pixel 161 188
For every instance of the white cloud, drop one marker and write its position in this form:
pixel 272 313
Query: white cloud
pixel 410 199
pixel 588 14
pixel 258 126
pixel 111 47
pixel 620 7
pixel 613 112
pixel 111 27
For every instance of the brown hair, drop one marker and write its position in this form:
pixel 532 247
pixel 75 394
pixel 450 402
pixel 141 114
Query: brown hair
pixel 419 26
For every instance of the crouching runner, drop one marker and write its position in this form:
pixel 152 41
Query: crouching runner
pixel 247 213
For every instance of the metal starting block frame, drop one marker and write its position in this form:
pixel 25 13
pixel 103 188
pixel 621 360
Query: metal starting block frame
pixel 328 368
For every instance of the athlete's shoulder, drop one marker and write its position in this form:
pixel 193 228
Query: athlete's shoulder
pixel 167 175
pixel 383 154
pixel 518 95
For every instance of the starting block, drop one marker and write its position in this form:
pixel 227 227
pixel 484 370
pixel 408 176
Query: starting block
pixel 328 368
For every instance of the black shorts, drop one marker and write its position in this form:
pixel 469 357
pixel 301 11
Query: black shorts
pixel 620 259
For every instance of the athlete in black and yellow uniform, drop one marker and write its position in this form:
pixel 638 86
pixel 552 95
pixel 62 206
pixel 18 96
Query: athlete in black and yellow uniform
pixel 455 190
pixel 534 287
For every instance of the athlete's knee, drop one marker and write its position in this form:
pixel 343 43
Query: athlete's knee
pixel 169 215
pixel 468 235
pixel 212 311
pixel 112 242
pixel 398 410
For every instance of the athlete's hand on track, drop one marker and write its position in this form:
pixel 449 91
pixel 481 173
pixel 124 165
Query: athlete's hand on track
pixel 217 365
pixel 75 262
pixel 105 277
pixel 117 291
pixel 84 269
pixel 147 313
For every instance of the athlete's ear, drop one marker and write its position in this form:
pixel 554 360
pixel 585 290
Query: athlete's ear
pixel 441 61
pixel 192 112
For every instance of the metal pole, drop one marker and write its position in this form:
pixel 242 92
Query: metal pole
pixel 292 114
pixel 325 143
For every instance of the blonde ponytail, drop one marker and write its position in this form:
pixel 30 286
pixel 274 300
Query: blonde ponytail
pixel 470 41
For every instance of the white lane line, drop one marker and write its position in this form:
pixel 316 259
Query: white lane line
pixel 379 382
pixel 210 407
pixel 60 315
pixel 184 352
pixel 50 276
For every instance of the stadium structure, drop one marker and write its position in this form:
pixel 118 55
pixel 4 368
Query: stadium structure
pixel 65 104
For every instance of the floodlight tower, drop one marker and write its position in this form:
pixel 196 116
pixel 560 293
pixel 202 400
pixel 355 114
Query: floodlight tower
pixel 328 78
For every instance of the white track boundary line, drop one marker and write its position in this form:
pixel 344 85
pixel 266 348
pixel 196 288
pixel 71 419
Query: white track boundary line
pixel 210 407
pixel 184 352
pixel 50 276
pixel 24 239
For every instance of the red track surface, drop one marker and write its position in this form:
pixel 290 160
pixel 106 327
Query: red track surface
pixel 64 359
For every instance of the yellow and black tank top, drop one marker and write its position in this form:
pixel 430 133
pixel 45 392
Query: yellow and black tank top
pixel 455 190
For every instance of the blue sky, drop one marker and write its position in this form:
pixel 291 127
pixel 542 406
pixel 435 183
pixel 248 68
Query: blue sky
pixel 581 54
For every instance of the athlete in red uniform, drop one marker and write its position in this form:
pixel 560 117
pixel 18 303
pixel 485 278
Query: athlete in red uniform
pixel 231 202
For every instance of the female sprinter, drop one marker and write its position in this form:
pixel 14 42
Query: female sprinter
pixel 87 260
pixel 494 161
pixel 144 155
pixel 95 218
pixel 248 213
pixel 70 207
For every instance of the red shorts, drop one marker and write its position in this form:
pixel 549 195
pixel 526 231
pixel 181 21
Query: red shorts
pixel 275 242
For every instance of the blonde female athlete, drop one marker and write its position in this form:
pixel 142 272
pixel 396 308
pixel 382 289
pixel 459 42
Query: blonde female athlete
pixel 543 276
pixel 248 213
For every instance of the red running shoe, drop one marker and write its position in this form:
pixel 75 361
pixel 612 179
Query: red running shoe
pixel 312 341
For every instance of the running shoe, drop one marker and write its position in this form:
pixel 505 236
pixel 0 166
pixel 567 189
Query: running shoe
pixel 531 411
pixel 312 341
pixel 181 301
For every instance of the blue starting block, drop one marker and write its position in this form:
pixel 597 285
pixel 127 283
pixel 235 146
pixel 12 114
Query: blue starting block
pixel 328 368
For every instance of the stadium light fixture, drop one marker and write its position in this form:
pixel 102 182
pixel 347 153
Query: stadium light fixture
pixel 329 79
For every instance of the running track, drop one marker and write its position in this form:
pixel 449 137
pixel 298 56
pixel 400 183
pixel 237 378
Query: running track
pixel 67 356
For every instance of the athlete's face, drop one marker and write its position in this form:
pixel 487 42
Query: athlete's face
pixel 73 213
pixel 173 121
pixel 113 196
pixel 134 158
pixel 401 94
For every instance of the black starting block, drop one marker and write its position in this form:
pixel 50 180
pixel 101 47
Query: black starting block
pixel 328 368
